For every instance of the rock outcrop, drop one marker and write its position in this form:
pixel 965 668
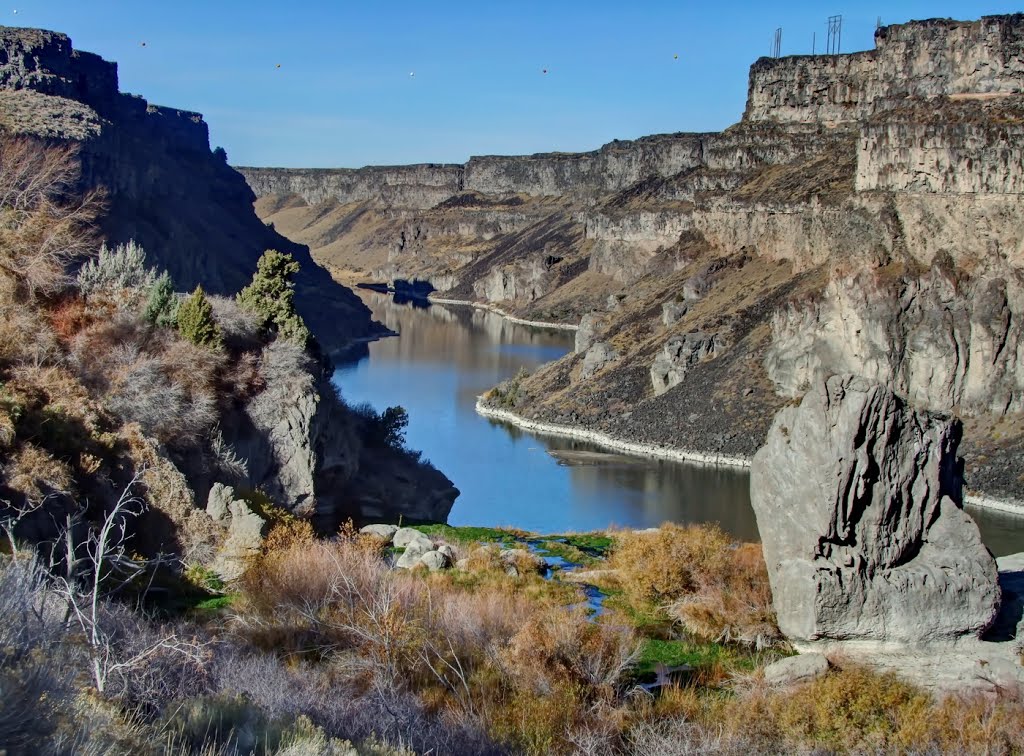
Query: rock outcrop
pixel 164 187
pixel 857 498
pixel 680 354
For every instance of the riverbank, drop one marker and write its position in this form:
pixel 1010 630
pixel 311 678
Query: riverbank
pixel 508 316
pixel 980 501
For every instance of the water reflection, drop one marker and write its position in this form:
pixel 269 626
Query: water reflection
pixel 446 356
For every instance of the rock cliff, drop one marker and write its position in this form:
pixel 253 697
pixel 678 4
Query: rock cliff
pixel 865 216
pixel 164 187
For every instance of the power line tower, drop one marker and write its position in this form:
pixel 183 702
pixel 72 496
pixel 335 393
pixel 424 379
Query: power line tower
pixel 777 43
pixel 834 41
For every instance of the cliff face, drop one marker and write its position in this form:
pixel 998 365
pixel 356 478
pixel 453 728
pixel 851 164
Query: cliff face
pixel 865 216
pixel 918 60
pixel 165 189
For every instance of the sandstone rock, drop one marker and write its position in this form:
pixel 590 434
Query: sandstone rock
pixel 857 503
pixel 244 540
pixel 672 312
pixel 599 356
pixel 384 532
pixel 796 669
pixel 680 354
pixel 462 564
pixel 404 537
pixel 434 561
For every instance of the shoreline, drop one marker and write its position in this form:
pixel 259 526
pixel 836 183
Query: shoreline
pixel 610 442
pixel 681 455
pixel 507 316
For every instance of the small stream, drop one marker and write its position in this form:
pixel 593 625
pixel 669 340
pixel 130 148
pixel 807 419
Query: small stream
pixel 445 356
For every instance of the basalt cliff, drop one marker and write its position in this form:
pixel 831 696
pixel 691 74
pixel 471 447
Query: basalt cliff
pixel 163 186
pixel 865 217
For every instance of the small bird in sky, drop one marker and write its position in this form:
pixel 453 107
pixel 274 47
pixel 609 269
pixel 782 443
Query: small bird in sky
pixel 544 70
pixel 142 44
pixel 278 65
pixel 675 57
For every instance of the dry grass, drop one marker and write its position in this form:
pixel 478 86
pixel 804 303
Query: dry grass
pixel 718 590
pixel 44 223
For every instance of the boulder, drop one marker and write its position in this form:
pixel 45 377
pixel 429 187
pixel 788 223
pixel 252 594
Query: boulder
pixel 411 556
pixel 403 537
pixel 244 540
pixel 857 498
pixel 521 561
pixel 219 501
pixel 681 353
pixel 598 356
pixel 672 312
pixel 796 669
pixel 434 561
pixel 448 551
pixel 590 324
pixel 384 532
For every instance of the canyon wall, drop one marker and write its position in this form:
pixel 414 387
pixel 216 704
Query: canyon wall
pixel 164 187
pixel 866 216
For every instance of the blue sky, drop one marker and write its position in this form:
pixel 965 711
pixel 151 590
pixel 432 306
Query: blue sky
pixel 343 95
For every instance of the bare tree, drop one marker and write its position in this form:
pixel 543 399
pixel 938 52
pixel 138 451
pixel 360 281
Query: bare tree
pixel 111 569
pixel 45 221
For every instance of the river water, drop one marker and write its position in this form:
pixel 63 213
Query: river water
pixel 447 355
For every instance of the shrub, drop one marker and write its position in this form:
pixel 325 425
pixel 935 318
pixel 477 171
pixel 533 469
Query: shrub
pixel 241 328
pixel 196 323
pixel 386 429
pixel 718 590
pixel 124 267
pixel 271 296
pixel 506 393
pixel 44 224
pixel 141 391
pixel 162 303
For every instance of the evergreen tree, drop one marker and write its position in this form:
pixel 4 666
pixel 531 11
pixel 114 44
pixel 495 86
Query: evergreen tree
pixel 196 323
pixel 271 296
pixel 162 306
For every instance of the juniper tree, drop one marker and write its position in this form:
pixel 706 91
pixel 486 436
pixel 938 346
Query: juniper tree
pixel 196 323
pixel 162 305
pixel 271 296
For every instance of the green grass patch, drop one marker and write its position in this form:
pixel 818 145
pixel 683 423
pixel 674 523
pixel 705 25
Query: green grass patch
pixel 595 544
pixel 566 551
pixel 648 619
pixel 471 534
pixel 215 603
pixel 676 653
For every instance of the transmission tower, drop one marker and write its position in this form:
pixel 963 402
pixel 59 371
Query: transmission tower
pixel 834 41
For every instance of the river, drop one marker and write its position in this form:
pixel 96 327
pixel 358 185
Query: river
pixel 447 355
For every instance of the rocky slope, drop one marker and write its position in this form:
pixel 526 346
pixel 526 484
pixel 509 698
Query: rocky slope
pixel 865 216
pixel 164 187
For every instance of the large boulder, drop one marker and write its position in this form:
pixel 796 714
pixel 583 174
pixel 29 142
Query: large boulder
pixel 599 355
pixel 680 354
pixel 857 498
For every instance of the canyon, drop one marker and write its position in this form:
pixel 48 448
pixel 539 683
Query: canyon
pixel 864 216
